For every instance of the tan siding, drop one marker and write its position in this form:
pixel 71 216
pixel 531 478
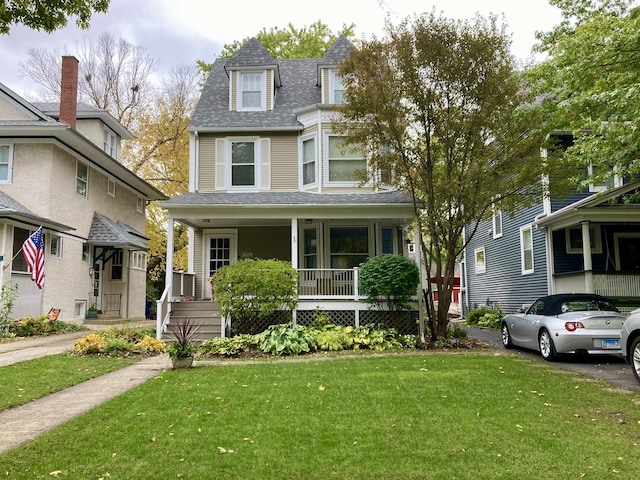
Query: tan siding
pixel 207 161
pixel 269 76
pixel 284 162
pixel 234 90
pixel 325 86
pixel 8 111
pixel 198 262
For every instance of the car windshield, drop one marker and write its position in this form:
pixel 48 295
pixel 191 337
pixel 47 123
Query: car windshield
pixel 587 305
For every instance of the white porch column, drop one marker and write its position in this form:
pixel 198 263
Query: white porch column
pixel 169 261
pixel 586 258
pixel 294 243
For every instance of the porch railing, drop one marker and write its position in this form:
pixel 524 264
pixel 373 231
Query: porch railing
pixel 617 284
pixel 163 313
pixel 112 303
pixel 328 283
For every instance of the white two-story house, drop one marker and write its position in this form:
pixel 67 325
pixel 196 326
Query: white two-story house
pixel 60 169
pixel 269 179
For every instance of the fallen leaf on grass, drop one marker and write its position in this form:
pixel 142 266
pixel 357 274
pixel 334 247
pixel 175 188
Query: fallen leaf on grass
pixel 222 450
pixel 55 473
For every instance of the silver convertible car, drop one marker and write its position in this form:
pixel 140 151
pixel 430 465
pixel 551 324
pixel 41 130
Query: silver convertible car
pixel 565 323
pixel 630 342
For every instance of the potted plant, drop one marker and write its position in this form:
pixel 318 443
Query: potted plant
pixel 183 348
pixel 92 311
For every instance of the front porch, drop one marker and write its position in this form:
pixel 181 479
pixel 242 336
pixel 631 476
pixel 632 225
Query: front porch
pixel 621 287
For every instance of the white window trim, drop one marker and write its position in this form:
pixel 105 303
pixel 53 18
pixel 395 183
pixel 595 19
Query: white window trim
pixel 495 220
pixel 88 257
pixel 394 238
pixel 52 240
pixel 327 255
pixel 263 92
pixel 303 139
pixel 138 260
pixel 480 267
pixel 111 187
pixel 256 164
pixel 110 143
pixel 594 234
pixel 325 161
pixel 334 78
pixel 616 238
pixel 522 250
pixel 594 188
pixel 75 187
pixel 9 164
pixel 121 265
pixel 232 234
pixel 140 204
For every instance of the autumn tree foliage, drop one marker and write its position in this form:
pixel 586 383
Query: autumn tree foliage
pixel 441 109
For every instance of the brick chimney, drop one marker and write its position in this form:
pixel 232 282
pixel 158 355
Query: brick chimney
pixel 69 91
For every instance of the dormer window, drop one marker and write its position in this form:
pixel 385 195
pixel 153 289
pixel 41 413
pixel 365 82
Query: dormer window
pixel 336 88
pixel 251 91
pixel 109 144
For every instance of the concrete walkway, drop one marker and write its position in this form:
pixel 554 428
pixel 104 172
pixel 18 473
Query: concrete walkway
pixel 22 424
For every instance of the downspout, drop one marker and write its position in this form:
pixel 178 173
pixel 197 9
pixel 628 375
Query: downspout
pixel 2 252
pixel 319 153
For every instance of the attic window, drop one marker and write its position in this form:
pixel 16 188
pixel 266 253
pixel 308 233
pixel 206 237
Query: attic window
pixel 109 144
pixel 251 91
pixel 336 88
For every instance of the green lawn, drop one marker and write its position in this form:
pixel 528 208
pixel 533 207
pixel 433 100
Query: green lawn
pixel 423 416
pixel 25 381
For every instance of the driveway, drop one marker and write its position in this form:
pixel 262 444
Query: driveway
pixel 610 368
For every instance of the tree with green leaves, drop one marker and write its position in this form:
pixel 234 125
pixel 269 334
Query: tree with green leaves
pixel 48 15
pixel 589 84
pixel 290 42
pixel 442 110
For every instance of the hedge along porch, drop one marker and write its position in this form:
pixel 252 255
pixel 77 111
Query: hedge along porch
pixel 324 236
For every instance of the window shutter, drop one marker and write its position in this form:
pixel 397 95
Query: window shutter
pixel 265 164
pixel 221 163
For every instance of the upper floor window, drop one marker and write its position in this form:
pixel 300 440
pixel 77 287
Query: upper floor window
pixel 140 205
pixel 109 145
pixel 243 163
pixel 526 249
pixel 6 161
pixel 497 223
pixel 251 91
pixel 111 187
pixel 612 180
pixel 86 253
pixel 336 88
pixel 309 161
pixel 344 161
pixel 82 179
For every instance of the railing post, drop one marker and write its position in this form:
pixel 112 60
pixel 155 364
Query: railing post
pixel 356 293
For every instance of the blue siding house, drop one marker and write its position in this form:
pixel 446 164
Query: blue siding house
pixel 587 242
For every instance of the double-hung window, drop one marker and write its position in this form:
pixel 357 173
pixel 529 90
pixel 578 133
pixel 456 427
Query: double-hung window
pixel 55 246
pixel 497 223
pixel 480 260
pixel 6 160
pixel 308 161
pixel 336 88
pixel 243 163
pixel 251 91
pixel 344 160
pixel 109 143
pixel 111 187
pixel 82 179
pixel 348 246
pixel 526 249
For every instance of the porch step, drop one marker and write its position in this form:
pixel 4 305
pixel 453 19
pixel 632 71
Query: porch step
pixel 205 314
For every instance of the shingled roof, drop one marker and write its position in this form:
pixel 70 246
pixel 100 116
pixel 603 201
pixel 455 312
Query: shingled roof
pixel 105 231
pixel 11 208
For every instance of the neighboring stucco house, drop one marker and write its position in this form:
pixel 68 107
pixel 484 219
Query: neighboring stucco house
pixel 268 179
pixel 587 242
pixel 60 169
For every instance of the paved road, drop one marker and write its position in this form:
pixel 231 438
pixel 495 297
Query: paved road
pixel 610 368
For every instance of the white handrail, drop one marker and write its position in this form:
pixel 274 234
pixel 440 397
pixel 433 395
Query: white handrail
pixel 163 313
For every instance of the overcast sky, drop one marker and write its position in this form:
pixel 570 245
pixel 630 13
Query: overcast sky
pixel 181 32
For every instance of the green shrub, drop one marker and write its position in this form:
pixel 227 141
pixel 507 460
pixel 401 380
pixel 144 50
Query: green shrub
pixel 389 278
pixel 32 326
pixel 92 343
pixel 149 344
pixel 485 317
pixel 378 339
pixel 117 347
pixel 8 294
pixel 284 339
pixel 252 289
pixel 118 342
pixel 228 346
pixel 333 338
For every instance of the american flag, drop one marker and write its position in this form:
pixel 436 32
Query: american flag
pixel 33 251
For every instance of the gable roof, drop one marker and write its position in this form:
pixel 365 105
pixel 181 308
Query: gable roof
pixel 14 210
pixel 251 54
pixel 339 51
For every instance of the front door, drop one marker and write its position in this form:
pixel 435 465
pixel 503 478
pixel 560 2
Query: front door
pixel 220 250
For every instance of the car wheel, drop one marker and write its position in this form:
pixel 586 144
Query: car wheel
pixel 506 336
pixel 634 358
pixel 546 346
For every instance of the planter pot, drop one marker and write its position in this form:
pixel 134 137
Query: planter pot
pixel 92 314
pixel 182 362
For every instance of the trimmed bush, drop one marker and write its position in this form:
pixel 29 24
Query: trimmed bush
pixel 389 278
pixel 485 317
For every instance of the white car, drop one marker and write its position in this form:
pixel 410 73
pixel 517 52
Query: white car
pixel 630 342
